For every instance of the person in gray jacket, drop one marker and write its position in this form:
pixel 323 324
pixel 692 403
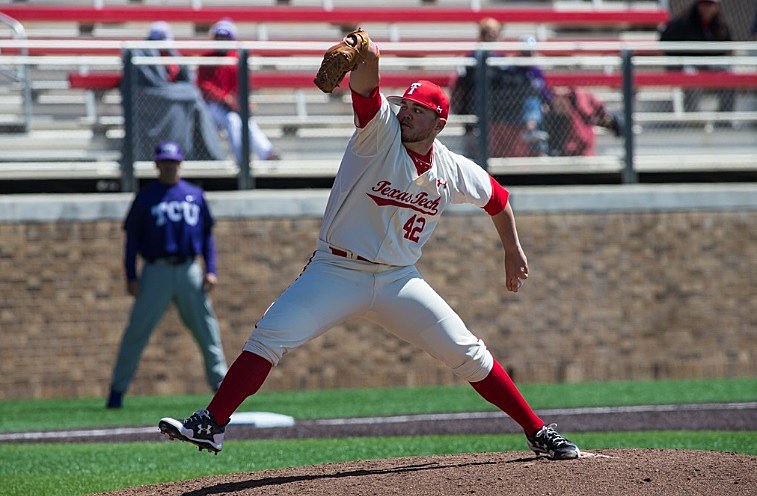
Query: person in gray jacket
pixel 166 105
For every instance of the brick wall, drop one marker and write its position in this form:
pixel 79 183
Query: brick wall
pixel 612 295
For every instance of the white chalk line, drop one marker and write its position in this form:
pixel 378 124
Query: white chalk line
pixel 546 413
pixel 116 431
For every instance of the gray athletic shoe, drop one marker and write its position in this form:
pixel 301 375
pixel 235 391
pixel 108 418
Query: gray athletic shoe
pixel 200 429
pixel 547 441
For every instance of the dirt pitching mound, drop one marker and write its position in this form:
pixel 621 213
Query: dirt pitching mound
pixel 627 472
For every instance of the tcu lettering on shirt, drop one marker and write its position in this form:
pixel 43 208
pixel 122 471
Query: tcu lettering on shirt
pixel 176 211
pixel 420 202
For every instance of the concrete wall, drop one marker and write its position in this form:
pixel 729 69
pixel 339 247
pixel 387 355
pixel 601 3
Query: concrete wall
pixel 627 282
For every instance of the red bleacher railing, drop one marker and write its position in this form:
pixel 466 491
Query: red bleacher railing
pixel 263 80
pixel 114 46
pixel 538 15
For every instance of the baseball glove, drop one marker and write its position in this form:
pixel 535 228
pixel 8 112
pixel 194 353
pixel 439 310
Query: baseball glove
pixel 340 59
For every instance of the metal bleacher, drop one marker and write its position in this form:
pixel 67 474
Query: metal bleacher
pixel 67 133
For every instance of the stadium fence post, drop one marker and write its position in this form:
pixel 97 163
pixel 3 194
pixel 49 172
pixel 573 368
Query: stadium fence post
pixel 127 150
pixel 245 179
pixel 629 173
pixel 482 108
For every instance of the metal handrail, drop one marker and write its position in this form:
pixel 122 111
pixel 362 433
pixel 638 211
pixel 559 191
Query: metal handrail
pixel 22 70
pixel 396 57
pixel 474 4
pixel 391 48
pixel 325 4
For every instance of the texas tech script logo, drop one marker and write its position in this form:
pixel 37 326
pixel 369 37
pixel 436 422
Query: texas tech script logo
pixel 386 195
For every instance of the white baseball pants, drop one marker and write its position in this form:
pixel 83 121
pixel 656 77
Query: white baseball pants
pixel 333 289
pixel 161 284
pixel 230 121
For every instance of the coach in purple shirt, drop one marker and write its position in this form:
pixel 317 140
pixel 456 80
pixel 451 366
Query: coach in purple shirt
pixel 169 225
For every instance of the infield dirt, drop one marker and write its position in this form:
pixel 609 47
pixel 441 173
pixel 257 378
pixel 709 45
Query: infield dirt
pixel 627 472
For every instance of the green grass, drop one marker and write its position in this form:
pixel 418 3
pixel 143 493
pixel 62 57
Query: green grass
pixel 21 415
pixel 58 469
pixel 75 469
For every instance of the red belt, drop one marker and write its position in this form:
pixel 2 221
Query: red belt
pixel 342 253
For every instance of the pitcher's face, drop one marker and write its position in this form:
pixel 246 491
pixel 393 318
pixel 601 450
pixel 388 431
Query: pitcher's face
pixel 417 122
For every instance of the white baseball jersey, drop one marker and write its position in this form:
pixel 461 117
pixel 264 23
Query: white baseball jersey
pixel 380 208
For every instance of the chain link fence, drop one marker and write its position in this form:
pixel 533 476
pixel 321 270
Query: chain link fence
pixel 549 108
pixel 161 102
pixel 527 115
pixel 699 110
pixel 664 106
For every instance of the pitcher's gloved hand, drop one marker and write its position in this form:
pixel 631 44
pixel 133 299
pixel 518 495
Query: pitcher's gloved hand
pixel 340 59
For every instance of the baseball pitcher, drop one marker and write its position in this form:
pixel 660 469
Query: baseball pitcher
pixel 393 184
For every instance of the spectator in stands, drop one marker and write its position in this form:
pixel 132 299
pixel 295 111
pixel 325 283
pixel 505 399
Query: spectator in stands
pixel 535 102
pixel 517 96
pixel 570 122
pixel 463 98
pixel 219 85
pixel 526 118
pixel 166 105
pixel 703 21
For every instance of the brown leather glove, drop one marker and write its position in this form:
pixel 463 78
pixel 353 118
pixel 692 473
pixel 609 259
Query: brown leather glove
pixel 340 59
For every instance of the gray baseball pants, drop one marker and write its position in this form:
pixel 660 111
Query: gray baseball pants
pixel 162 283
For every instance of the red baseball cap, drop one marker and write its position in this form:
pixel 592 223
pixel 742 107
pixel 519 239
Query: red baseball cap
pixel 425 93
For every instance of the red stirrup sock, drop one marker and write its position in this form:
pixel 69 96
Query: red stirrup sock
pixel 244 378
pixel 499 390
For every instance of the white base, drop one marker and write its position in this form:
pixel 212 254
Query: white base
pixel 261 419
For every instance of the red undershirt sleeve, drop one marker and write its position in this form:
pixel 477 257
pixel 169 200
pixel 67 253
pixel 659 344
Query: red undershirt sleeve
pixel 366 108
pixel 498 200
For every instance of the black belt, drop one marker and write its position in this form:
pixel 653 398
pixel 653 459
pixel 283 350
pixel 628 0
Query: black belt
pixel 172 260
